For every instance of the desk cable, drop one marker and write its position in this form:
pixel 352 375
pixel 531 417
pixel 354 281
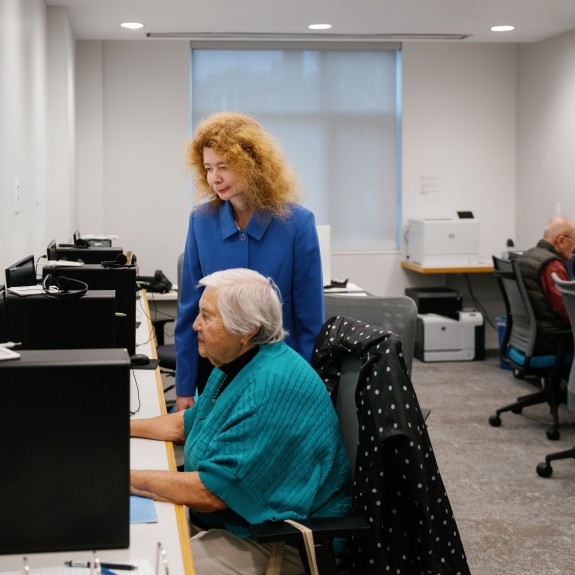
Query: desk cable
pixel 477 304
pixel 138 393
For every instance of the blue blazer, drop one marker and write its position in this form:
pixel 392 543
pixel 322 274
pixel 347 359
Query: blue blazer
pixel 287 250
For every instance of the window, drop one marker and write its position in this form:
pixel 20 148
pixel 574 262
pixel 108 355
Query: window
pixel 336 114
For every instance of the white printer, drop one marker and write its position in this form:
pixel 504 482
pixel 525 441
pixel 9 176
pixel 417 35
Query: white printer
pixel 443 338
pixel 444 331
pixel 443 242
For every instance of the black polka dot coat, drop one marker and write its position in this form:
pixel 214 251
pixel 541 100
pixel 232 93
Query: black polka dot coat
pixel 397 484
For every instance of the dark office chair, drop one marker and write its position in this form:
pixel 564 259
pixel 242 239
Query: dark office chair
pixel 519 345
pixel 167 352
pixel 567 289
pixel 362 364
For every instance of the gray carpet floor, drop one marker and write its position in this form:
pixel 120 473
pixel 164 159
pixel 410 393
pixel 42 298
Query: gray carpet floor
pixel 512 522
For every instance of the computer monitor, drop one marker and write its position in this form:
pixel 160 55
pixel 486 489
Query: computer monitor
pixel 22 273
pixel 120 279
pixel 45 322
pixel 65 481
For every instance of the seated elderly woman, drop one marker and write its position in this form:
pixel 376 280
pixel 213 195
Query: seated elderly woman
pixel 261 443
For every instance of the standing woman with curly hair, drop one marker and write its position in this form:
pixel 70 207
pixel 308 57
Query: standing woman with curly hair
pixel 249 218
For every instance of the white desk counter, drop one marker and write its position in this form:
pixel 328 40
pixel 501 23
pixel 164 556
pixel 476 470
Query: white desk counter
pixel 171 529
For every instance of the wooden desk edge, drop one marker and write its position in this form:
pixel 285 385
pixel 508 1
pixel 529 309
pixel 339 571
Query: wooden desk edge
pixel 487 268
pixel 184 534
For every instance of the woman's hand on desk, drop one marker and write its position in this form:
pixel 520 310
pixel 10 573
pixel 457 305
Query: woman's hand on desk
pixel 163 428
pixel 181 488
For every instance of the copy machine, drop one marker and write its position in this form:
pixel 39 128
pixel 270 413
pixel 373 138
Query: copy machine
pixel 444 331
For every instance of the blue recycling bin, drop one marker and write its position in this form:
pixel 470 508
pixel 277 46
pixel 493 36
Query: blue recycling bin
pixel 501 325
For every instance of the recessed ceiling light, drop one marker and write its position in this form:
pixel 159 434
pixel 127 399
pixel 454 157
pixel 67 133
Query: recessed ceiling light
pixel 502 28
pixel 319 26
pixel 132 25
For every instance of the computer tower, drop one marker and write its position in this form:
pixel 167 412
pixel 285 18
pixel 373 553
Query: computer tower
pixel 44 322
pixel 120 279
pixel 65 451
pixel 90 255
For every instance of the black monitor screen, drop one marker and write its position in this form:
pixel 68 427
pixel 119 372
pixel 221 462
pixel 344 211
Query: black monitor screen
pixel 22 273
pixel 65 476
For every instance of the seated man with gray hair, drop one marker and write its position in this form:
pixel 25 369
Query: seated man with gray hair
pixel 261 443
pixel 537 264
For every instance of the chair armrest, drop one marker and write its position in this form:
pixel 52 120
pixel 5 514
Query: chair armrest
pixel 322 527
pixel 325 530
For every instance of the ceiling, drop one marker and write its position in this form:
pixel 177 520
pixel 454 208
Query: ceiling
pixel 534 20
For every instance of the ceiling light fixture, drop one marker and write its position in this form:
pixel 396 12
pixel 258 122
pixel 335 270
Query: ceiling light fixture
pixel 319 26
pixel 132 25
pixel 502 28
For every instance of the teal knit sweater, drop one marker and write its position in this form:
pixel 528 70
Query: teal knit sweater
pixel 270 447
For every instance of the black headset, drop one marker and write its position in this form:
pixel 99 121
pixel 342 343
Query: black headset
pixel 63 284
pixel 121 261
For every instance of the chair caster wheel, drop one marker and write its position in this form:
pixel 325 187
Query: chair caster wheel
pixel 495 420
pixel 518 374
pixel 553 434
pixel 517 410
pixel 544 469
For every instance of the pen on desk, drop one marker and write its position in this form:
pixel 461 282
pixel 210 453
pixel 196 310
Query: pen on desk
pixel 118 566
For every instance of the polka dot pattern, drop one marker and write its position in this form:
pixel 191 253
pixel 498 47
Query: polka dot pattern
pixel 397 484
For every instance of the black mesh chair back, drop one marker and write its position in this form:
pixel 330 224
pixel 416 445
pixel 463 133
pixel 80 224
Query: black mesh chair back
pixel 521 330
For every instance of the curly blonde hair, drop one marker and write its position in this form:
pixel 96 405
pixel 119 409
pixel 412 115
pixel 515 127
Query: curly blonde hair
pixel 254 157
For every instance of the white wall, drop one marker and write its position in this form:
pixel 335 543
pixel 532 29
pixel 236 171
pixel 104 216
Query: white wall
pixel 37 127
pixel 23 121
pixel 546 134
pixel 133 121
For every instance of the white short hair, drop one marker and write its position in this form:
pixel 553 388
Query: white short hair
pixel 247 300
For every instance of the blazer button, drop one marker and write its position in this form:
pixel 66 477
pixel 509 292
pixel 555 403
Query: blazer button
pixel 242 236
